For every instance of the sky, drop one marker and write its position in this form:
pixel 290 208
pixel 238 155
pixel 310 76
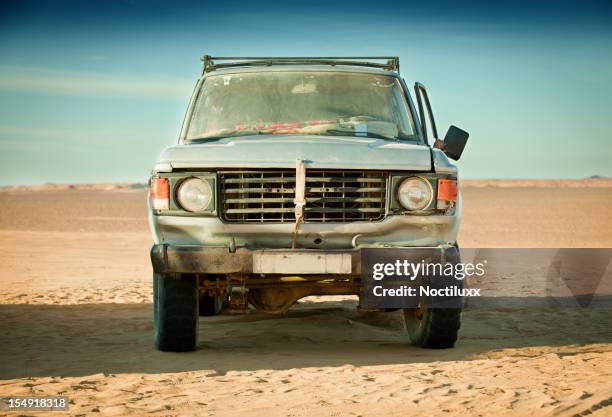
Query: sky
pixel 94 91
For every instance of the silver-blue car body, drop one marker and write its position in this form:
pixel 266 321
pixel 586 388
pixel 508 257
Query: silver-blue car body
pixel 286 169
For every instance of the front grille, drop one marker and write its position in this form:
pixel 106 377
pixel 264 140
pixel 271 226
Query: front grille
pixel 266 196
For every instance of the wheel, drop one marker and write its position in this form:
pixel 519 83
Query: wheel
pixel 433 328
pixel 175 312
pixel 210 305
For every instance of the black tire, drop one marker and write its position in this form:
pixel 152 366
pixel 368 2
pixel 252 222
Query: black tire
pixel 433 328
pixel 210 305
pixel 175 312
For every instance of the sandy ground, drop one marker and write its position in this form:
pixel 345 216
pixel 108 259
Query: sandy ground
pixel 75 320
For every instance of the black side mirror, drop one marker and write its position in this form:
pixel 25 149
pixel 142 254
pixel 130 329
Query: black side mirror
pixel 454 142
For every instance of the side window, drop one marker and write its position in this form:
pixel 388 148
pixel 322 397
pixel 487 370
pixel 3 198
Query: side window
pixel 428 123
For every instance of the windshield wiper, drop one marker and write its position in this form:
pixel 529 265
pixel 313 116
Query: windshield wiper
pixel 337 132
pixel 340 132
pixel 227 135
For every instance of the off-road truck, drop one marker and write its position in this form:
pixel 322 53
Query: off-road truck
pixel 285 171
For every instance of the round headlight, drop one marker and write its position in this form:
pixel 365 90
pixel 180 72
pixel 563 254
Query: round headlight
pixel 414 193
pixel 194 194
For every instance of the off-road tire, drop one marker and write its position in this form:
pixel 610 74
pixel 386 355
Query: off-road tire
pixel 175 312
pixel 433 328
pixel 210 305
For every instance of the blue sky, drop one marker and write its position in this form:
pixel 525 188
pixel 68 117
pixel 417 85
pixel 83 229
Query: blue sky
pixel 92 92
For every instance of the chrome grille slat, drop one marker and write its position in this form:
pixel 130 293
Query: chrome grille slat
pixel 260 190
pixel 342 210
pixel 346 200
pixel 258 180
pixel 311 199
pixel 344 189
pixel 340 179
pixel 266 196
pixel 259 200
pixel 259 209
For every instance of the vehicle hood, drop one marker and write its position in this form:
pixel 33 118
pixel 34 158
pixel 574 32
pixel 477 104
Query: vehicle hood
pixel 273 151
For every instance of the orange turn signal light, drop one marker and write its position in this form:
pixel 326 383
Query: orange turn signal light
pixel 159 192
pixel 447 190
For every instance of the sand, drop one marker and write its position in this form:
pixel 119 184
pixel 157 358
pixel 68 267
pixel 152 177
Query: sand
pixel 75 315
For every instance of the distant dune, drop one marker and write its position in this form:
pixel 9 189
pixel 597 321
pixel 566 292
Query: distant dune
pixel 117 186
pixel 584 183
pixel 592 182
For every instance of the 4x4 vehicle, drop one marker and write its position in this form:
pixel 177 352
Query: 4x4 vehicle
pixel 285 170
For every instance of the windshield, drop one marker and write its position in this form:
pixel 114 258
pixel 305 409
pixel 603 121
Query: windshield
pixel 309 103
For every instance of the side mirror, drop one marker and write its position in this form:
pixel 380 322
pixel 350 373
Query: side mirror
pixel 454 142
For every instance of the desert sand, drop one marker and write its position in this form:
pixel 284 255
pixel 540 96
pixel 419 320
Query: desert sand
pixel 75 315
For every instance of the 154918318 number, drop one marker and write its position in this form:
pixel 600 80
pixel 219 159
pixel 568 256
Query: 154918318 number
pixel 32 403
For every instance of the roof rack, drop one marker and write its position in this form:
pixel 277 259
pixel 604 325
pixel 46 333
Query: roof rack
pixel 391 62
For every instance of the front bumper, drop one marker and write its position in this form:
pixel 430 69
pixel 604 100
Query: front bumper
pixel 348 262
pixel 394 230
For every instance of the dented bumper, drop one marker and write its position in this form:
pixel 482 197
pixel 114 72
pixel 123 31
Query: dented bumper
pixel 393 230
